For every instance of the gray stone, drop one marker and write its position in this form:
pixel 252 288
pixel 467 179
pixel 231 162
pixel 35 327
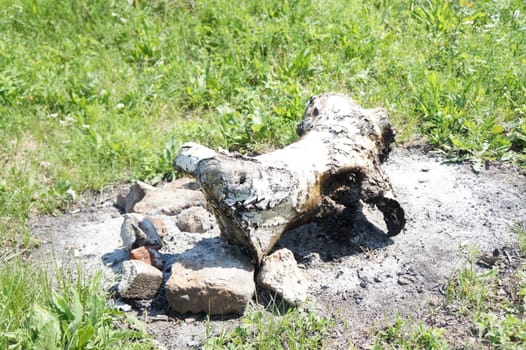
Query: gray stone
pixel 137 231
pixel 139 280
pixel 158 224
pixel 212 277
pixel 195 220
pixel 122 306
pixel 169 199
pixel 136 194
pixel 280 274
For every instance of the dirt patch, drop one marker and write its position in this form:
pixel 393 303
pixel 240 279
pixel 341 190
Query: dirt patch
pixel 357 274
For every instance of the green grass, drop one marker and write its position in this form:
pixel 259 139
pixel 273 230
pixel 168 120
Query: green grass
pixel 410 334
pixel 73 314
pixel 92 92
pixel 272 329
pixel 98 92
pixel 470 288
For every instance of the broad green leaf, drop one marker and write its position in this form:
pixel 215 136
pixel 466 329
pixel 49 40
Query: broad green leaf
pixel 76 306
pixel 47 326
pixel 85 335
pixel 497 129
pixel 469 124
pixel 61 306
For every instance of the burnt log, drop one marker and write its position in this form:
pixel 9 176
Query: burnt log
pixel 338 157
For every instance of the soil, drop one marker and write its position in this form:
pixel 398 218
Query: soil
pixel 358 275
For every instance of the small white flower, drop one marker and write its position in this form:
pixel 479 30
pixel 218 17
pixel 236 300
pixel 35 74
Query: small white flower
pixel 120 105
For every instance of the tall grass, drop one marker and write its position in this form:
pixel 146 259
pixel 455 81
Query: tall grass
pixel 72 315
pixel 92 92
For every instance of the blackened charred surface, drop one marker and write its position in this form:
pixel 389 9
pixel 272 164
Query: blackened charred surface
pixel 349 189
pixel 388 135
pixel 375 184
pixel 242 178
pixel 344 188
pixel 334 232
pixel 394 215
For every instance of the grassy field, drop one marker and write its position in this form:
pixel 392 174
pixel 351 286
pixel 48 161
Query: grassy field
pixel 97 92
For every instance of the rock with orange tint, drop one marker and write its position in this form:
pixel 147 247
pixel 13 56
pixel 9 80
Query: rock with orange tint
pixel 213 277
pixel 147 254
pixel 170 199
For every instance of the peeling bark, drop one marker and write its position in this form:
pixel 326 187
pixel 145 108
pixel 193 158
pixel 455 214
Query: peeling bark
pixel 338 155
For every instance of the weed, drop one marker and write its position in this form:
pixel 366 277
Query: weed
pixel 261 329
pixel 409 335
pixel 72 315
pixel 505 330
pixel 502 332
pixel 471 288
pixel 502 324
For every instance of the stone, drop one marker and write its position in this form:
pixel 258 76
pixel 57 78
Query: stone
pixel 159 225
pixel 137 230
pixel 169 199
pixel 147 254
pixel 139 280
pixel 136 194
pixel 122 306
pixel 280 274
pixel 194 220
pixel 213 277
